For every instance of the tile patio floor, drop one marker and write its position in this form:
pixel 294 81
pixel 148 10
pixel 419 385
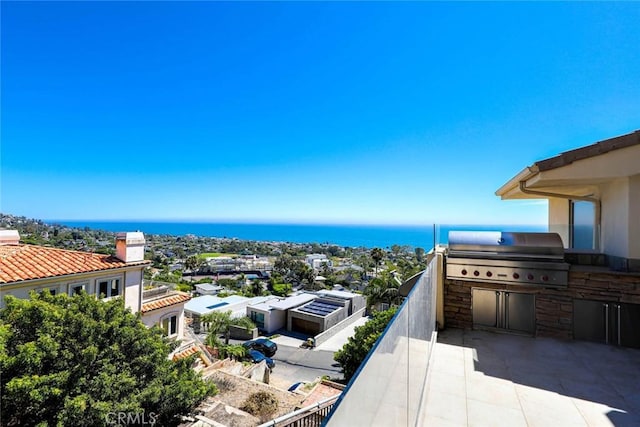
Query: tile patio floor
pixel 482 378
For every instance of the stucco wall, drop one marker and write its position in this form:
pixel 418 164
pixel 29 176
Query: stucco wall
pixel 559 218
pixel 334 318
pixel 153 318
pixel 130 282
pixel 615 218
pixel 133 290
pixel 634 217
pixel 277 320
pixel 273 319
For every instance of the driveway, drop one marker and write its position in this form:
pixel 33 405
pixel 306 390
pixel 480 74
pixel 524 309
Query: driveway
pixel 294 364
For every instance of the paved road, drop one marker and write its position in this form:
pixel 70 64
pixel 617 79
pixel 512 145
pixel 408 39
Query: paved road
pixel 299 364
pixel 295 364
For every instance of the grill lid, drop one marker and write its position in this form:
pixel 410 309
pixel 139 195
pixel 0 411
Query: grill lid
pixel 497 244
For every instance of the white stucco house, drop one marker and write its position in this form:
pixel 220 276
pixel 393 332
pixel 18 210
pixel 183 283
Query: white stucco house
pixel 25 268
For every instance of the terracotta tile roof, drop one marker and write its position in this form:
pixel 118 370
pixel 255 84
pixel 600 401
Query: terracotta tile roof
pixel 173 298
pixel 186 353
pixel 24 262
pixel 321 391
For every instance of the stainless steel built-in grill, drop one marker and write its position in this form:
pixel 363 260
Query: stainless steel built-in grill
pixel 502 257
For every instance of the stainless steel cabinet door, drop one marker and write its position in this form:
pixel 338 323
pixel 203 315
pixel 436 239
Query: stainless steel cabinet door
pixel 590 320
pixel 628 320
pixel 485 308
pixel 520 312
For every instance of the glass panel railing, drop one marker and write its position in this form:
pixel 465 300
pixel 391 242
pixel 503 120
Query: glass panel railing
pixel 389 386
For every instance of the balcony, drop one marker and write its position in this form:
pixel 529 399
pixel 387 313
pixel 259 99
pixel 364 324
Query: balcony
pixel 472 378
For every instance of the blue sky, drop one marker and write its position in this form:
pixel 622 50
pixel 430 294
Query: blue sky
pixel 390 113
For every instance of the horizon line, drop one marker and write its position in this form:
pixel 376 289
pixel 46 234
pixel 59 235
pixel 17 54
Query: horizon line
pixel 289 222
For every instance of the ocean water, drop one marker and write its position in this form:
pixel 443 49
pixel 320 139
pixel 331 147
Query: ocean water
pixel 369 236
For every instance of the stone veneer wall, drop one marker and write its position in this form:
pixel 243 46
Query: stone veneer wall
pixel 554 307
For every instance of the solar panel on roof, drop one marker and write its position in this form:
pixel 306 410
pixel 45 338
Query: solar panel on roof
pixel 320 308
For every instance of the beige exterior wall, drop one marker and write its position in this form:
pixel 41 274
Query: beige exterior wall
pixel 133 290
pixel 620 217
pixel 130 282
pixel 559 218
pixel 155 317
pixel 615 218
pixel 634 217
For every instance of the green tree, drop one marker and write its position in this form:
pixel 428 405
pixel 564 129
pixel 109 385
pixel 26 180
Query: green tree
pixel 353 353
pixel 382 289
pixel 234 351
pixel 377 255
pixel 73 360
pixel 220 323
pixel 256 288
pixel 193 263
pixel 281 289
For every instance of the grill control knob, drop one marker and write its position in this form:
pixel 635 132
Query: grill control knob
pixel 516 276
pixel 530 276
pixel 476 273
pixel 464 272
pixel 545 278
pixel 489 274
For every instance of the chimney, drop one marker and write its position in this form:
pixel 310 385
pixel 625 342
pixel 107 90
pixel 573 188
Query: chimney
pixel 9 237
pixel 130 246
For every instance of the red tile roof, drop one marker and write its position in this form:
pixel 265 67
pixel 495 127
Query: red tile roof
pixel 25 262
pixel 173 298
pixel 321 391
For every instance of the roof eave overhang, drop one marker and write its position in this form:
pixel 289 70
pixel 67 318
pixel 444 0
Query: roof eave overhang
pixel 511 190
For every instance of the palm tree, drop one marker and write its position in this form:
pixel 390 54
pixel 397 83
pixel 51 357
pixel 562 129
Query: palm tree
pixel 382 289
pixel 377 254
pixel 221 322
pixel 256 288
pixel 236 352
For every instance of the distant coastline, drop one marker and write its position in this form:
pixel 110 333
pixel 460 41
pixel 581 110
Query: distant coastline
pixel 368 236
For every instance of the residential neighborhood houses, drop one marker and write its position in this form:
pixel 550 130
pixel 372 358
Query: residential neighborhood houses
pixel 308 310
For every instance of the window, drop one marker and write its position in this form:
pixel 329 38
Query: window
pixel 170 325
pixel 52 291
pixel 258 319
pixel 582 224
pixel 109 288
pixel 76 288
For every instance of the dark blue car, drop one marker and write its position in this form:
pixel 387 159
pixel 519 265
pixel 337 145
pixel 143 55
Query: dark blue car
pixel 256 357
pixel 263 345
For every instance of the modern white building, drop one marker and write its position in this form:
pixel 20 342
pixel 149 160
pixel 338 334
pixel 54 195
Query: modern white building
pixel 269 316
pixel 307 313
pixel 316 261
pixel 208 289
pixel 356 301
pixel 206 304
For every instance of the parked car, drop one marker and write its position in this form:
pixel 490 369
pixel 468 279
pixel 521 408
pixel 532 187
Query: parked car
pixel 263 345
pixel 256 357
